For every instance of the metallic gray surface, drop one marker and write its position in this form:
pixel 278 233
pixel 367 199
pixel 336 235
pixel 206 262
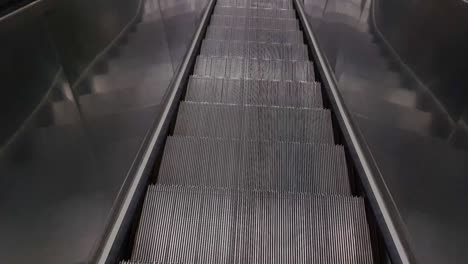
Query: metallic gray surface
pixel 136 186
pixel 76 106
pixel 403 83
pixel 180 224
pixel 384 209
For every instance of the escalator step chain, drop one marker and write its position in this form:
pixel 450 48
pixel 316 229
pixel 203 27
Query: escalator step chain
pixel 255 34
pixel 254 22
pixel 254 92
pixel 239 68
pixel 254 50
pixel 254 12
pixel 199 225
pixel 254 123
pixel 253 165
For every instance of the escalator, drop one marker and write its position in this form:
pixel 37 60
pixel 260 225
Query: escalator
pixel 251 171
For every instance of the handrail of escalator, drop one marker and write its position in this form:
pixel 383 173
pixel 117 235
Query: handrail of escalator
pixel 24 10
pixel 387 217
pixel 153 142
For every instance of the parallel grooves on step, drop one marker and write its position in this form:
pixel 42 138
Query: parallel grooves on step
pixel 196 225
pixel 279 4
pixel 254 92
pixel 254 50
pixel 254 69
pixel 254 12
pixel 251 173
pixel 254 22
pixel 137 262
pixel 254 122
pixel 255 165
pixel 254 34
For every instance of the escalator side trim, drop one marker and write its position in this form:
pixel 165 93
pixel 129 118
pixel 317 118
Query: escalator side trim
pixel 25 11
pixel 380 200
pixel 157 135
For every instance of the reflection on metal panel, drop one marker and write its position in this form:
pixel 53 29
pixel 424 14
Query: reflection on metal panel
pixel 181 18
pixel 413 116
pixel 76 106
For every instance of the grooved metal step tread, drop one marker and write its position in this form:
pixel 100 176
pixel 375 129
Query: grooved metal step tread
pixel 254 50
pixel 254 69
pixel 254 34
pixel 254 22
pixel 254 12
pixel 254 92
pixel 195 225
pixel 254 122
pixel 280 4
pixel 255 165
pixel 137 262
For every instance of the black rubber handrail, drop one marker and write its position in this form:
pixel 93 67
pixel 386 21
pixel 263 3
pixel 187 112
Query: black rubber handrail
pixel 10 15
pixel 379 197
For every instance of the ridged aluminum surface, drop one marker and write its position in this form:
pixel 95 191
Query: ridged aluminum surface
pixel 255 165
pixel 197 225
pixel 254 50
pixel 134 262
pixel 254 34
pixel 254 12
pixel 254 22
pixel 254 69
pixel 254 123
pixel 254 92
pixel 280 4
pixel 252 174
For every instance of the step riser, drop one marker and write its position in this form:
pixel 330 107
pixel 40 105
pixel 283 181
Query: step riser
pixel 255 12
pixel 254 50
pixel 254 22
pixel 183 225
pixel 273 70
pixel 278 4
pixel 258 35
pixel 254 123
pixel 257 93
pixel 250 165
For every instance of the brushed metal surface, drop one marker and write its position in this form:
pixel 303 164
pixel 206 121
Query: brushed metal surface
pixel 76 105
pixel 403 82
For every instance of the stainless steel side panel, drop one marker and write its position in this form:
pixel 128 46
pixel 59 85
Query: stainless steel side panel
pixel 401 74
pixel 82 83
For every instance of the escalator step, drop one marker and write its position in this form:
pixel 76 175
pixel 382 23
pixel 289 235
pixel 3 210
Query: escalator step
pixel 239 68
pixel 254 22
pixel 254 12
pixel 199 225
pixel 280 4
pixel 254 50
pixel 254 165
pixel 254 92
pixel 133 262
pixel 254 122
pixel 254 34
